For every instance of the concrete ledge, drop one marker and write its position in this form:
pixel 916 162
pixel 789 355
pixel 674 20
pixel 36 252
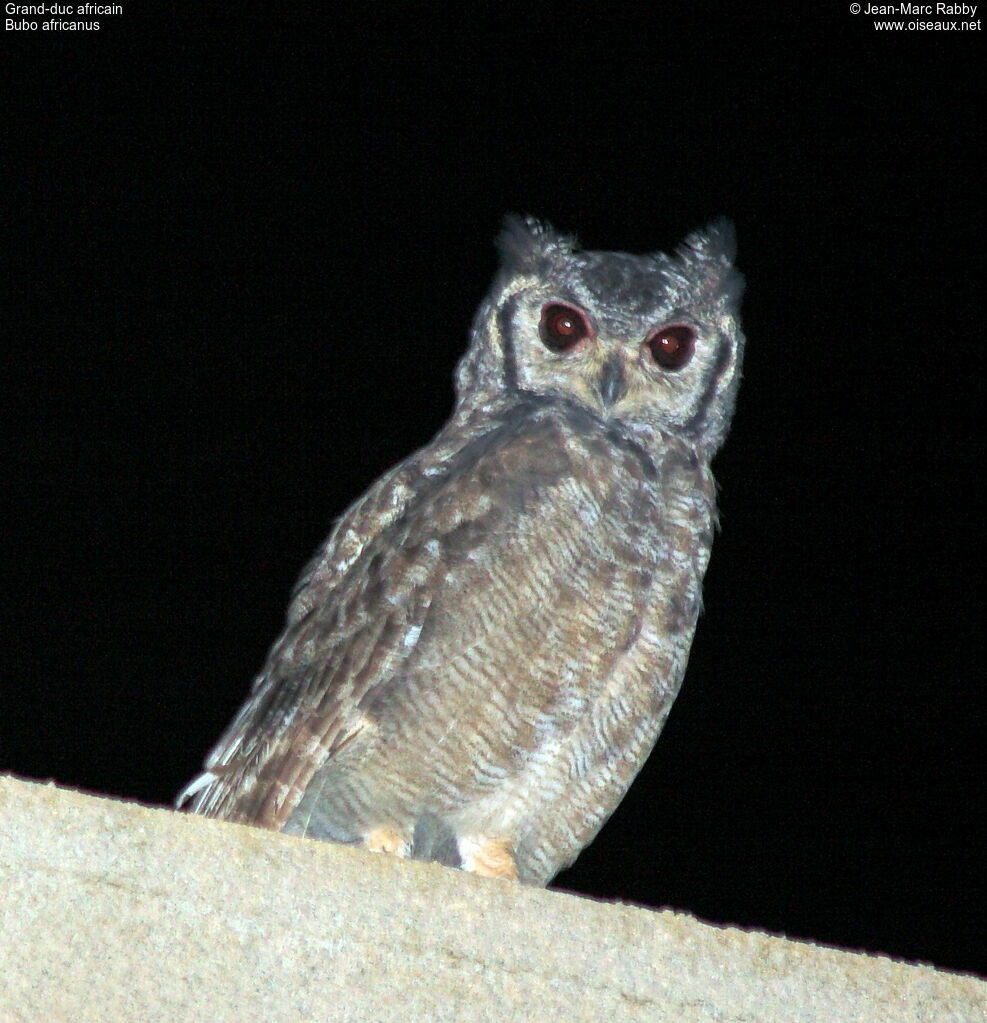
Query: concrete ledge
pixel 111 911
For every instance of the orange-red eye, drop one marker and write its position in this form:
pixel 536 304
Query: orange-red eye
pixel 672 347
pixel 562 327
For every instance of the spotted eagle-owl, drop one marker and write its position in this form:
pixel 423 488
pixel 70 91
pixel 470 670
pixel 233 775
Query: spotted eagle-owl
pixel 479 659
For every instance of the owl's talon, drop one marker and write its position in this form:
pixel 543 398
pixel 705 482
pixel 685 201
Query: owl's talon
pixel 489 857
pixel 387 840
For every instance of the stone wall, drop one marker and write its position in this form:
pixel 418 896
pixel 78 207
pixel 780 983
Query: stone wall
pixel 111 911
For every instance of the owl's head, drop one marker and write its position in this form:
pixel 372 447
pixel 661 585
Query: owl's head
pixel 652 342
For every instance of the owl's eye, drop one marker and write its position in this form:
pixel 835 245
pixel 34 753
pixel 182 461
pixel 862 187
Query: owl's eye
pixel 562 327
pixel 672 347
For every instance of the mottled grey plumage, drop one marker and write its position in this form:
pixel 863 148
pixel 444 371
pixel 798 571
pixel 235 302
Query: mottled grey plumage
pixel 479 659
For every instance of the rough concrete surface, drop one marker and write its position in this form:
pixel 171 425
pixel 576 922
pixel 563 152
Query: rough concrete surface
pixel 111 911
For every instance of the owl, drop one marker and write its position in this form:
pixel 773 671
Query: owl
pixel 479 659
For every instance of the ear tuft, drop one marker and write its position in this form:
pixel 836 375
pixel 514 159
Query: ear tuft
pixel 526 244
pixel 717 241
pixel 706 257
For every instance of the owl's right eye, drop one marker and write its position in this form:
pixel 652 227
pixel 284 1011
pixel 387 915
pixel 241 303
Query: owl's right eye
pixel 562 327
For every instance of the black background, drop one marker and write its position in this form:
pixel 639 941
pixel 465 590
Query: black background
pixel 243 245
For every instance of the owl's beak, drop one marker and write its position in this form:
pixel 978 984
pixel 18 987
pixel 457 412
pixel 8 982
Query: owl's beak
pixel 612 382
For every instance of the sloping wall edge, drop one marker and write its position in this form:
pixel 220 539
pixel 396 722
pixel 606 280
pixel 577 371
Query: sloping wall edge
pixel 114 911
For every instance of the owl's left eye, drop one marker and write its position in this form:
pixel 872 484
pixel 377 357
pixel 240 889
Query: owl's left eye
pixel 562 327
pixel 672 347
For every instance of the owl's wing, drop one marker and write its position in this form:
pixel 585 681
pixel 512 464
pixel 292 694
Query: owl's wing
pixel 282 693
pixel 495 567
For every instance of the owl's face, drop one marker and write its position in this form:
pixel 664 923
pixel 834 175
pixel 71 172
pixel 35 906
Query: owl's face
pixel 651 342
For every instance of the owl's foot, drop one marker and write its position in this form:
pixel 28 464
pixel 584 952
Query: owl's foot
pixel 387 840
pixel 488 857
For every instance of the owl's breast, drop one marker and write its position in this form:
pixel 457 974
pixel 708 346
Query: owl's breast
pixel 540 558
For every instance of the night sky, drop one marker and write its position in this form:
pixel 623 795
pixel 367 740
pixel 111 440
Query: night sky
pixel 242 248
